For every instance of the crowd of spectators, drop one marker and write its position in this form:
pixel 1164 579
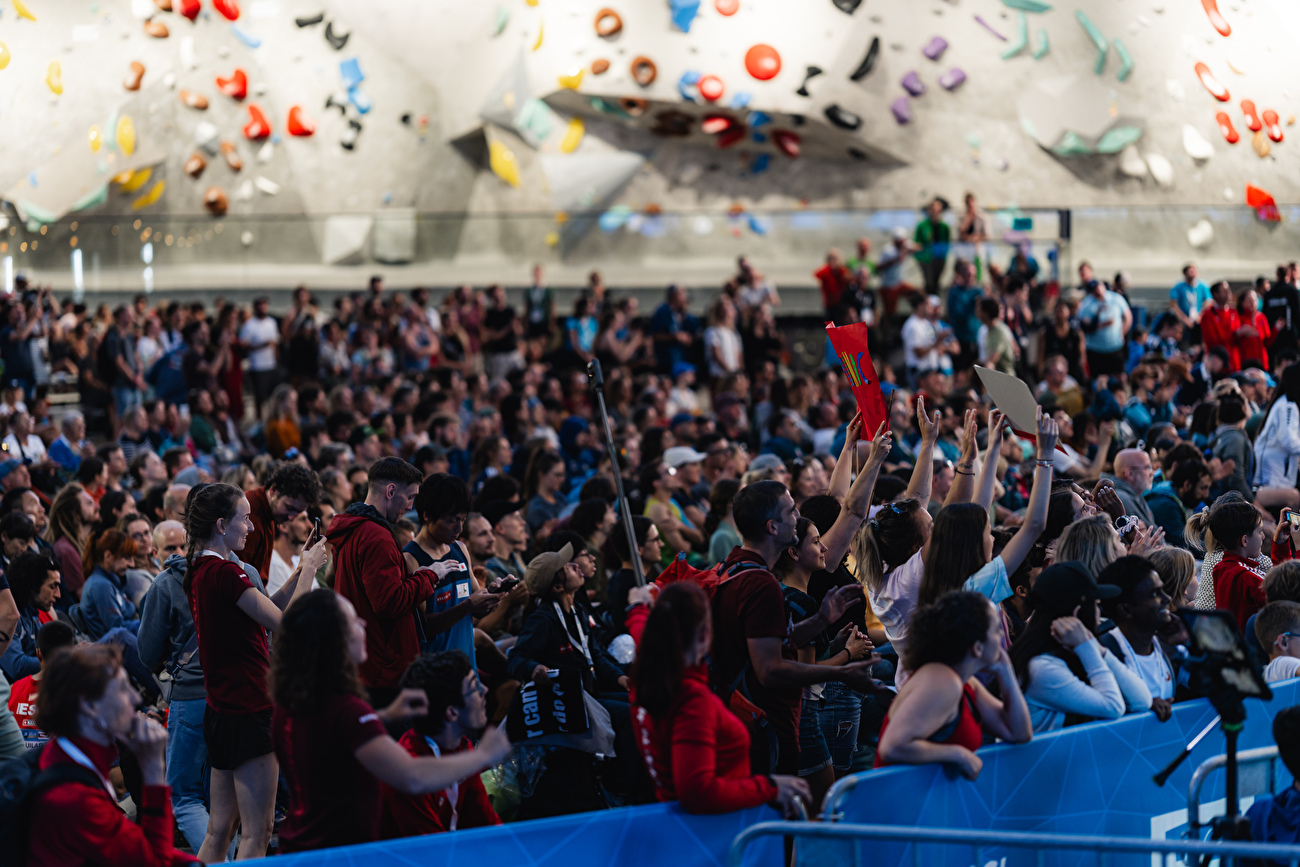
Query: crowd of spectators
pixel 286 581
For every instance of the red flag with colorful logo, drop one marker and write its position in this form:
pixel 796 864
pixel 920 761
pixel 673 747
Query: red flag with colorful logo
pixel 850 343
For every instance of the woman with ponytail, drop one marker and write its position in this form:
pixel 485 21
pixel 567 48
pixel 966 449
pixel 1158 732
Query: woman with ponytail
pixel 695 748
pixel 232 618
pixel 943 711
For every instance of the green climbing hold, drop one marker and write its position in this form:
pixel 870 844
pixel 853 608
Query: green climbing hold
pixel 1117 138
pixel 1041 45
pixel 1125 61
pixel 1022 38
pixel 1027 5
pixel 1097 39
pixel 1071 145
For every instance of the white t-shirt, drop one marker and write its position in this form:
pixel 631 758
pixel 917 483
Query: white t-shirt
pixel 1154 668
pixel 727 342
pixel 32 448
pixel 917 332
pixel 279 572
pixel 1282 668
pixel 1066 459
pixel 894 603
pixel 258 331
pixel 753 296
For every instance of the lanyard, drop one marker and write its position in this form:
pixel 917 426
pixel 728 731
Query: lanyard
pixel 74 752
pixel 452 792
pixel 581 643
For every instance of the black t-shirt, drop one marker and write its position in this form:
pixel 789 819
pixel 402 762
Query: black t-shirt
pixel 115 347
pixel 824 582
pixel 800 606
pixel 495 320
pixel 1282 301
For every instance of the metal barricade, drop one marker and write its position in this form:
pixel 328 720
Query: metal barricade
pixel 1256 775
pixel 981 841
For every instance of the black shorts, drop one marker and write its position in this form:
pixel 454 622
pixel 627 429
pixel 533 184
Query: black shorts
pixel 235 738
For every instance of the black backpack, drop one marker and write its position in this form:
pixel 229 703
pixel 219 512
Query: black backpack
pixel 21 781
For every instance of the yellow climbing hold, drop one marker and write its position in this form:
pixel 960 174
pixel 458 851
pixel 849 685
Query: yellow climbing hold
pixel 552 239
pixel 125 135
pixel 54 77
pixel 573 78
pixel 23 11
pixel 573 135
pixel 134 180
pixel 561 217
pixel 96 138
pixel 503 163
pixel 154 194
pixel 4 55
pixel 541 31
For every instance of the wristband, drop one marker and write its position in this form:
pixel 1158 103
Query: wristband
pixel 1047 463
pixel 962 473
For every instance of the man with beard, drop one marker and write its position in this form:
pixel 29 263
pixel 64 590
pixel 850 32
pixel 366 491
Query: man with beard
pixel 752 633
pixel 287 492
pixel 1140 612
pixel 1172 501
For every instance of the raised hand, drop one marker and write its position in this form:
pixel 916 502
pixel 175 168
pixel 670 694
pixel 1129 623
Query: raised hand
pixel 970 449
pixel 929 427
pixel 1048 433
pixel 494 746
pixel 881 444
pixel 853 433
pixel 1070 632
pixel 841 601
pixel 409 704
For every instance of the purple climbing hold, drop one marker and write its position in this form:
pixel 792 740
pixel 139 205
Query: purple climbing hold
pixel 936 47
pixel 989 27
pixel 912 84
pixel 952 79
pixel 902 110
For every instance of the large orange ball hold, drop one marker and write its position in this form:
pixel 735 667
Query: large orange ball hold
pixel 762 62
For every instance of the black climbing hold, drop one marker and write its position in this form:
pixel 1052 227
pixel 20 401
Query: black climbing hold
pixel 842 117
pixel 798 119
pixel 869 62
pixel 848 7
pixel 813 72
pixel 857 154
pixel 406 118
pixel 310 20
pixel 336 42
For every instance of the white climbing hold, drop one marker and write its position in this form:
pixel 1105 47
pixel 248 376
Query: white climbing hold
pixel 1131 162
pixel 246 239
pixel 245 191
pixel 1196 145
pixel 1175 90
pixel 1201 235
pixel 266 153
pixel 189 58
pixel 267 185
pixel 207 138
pixel 1161 169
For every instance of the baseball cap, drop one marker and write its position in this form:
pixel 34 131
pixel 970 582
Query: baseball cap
pixel 681 418
pixel 1062 586
pixel 681 455
pixel 496 510
pixel 8 467
pixel 188 476
pixel 542 569
pixel 680 367
pixel 766 462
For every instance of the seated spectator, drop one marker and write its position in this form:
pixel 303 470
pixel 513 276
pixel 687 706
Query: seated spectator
pixel 1173 500
pixel 104 603
pixel 649 550
pixel 456 716
pixel 34 580
pixel 333 746
pixel 543 485
pixel 53 636
pixel 1276 819
pixel 1239 577
pixel 695 748
pixel 86 704
pixel 1140 613
pixel 17 532
pixel 719 525
pixel 1091 542
pixel 1177 570
pixel 1059 662
pixel 1278 629
pixel 943 711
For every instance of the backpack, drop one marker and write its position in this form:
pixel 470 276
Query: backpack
pixel 21 782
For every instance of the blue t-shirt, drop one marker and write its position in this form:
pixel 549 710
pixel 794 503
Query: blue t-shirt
pixel 1190 299
pixel 1111 306
pixel 961 310
pixel 585 328
pixel 451 591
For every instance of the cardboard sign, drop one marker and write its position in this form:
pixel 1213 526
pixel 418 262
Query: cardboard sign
pixel 850 342
pixel 1016 401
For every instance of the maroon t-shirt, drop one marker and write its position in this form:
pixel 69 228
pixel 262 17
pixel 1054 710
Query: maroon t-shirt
pixel 232 646
pixel 333 800
pixel 751 605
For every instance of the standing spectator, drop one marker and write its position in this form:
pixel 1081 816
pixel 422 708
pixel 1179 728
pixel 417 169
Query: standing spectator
pixel 1105 319
pixel 925 346
pixel 1282 307
pixel 1231 443
pixel 120 360
pixel 87 703
pixel 834 279
pixel 890 269
pixel 500 333
pixel 580 331
pixel 1188 298
pixel 332 743
pixel 369 571
pixel 932 239
pixel 134 436
pixel 673 329
pixel 1220 324
pixel 1277 446
pixel 232 617
pixel 722 344
pixel 539 311
pixel 963 298
pixel 288 490
pixel 1253 336
pixel 260 337
pixel 1062 338
pixel 291 537
pixel 997 348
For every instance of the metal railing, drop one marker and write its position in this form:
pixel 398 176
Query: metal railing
pixel 981 841
pixel 1256 775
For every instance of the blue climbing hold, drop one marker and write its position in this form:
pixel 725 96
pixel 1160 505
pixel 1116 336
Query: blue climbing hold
pixel 684 12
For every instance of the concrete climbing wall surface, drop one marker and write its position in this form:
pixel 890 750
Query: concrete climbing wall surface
pixel 261 142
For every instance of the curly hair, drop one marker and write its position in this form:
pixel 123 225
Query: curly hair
pixel 944 630
pixel 292 479
pixel 310 664
pixel 442 677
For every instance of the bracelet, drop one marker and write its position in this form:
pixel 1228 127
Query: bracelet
pixel 1045 463
pixel 961 473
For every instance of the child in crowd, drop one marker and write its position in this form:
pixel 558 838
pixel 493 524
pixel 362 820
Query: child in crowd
pixel 1239 576
pixel 1278 629
pixel 52 637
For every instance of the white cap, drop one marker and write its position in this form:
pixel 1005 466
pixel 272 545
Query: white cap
pixel 681 455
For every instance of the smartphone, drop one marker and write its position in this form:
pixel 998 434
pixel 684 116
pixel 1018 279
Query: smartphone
pixel 507 584
pixel 1293 517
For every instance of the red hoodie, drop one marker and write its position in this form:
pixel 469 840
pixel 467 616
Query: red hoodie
pixel 1239 588
pixel 432 813
pixel 370 573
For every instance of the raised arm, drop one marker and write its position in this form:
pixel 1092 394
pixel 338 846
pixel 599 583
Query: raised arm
pixel 1036 514
pixel 391 764
pixel 989 473
pixel 312 559
pixel 923 472
pixel 854 511
pixel 963 483
pixel 839 486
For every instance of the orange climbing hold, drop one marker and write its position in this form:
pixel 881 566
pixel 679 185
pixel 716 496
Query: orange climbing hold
pixel 1225 127
pixel 258 127
pixel 235 85
pixel 762 61
pixel 1217 90
pixel 1272 125
pixel 1216 18
pixel 1263 203
pixel 228 8
pixel 299 124
pixel 1252 115
pixel 726 7
pixel 710 88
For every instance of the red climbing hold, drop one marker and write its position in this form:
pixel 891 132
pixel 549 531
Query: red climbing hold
pixel 726 7
pixel 235 86
pixel 762 62
pixel 731 136
pixel 188 8
pixel 258 126
pixel 1217 90
pixel 1252 116
pixel 1263 203
pixel 1271 123
pixel 1225 127
pixel 710 87
pixel 1216 18
pixel 299 124
pixel 228 8
pixel 716 123
pixel 788 142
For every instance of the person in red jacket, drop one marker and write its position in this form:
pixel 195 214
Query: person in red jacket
pixel 289 490
pixel 1239 576
pixel 1253 336
pixel 457 716
pixel 87 702
pixel 695 748
pixel 369 572
pixel 1219 324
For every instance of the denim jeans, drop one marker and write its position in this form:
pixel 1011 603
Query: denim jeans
pixel 187 769
pixel 126 397
pixel 840 717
